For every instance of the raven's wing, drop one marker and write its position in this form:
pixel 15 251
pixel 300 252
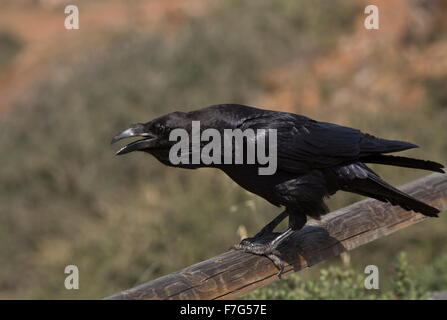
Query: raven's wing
pixel 304 144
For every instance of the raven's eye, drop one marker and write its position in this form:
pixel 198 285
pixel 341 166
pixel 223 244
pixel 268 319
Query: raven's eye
pixel 161 128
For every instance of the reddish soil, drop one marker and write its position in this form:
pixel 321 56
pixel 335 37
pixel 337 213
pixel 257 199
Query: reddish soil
pixel 40 26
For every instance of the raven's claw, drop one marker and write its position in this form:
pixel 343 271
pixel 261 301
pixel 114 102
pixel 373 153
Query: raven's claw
pixel 262 246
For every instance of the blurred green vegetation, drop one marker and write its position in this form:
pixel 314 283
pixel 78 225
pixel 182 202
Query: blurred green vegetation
pixel 347 283
pixel 123 220
pixel 10 46
pixel 436 91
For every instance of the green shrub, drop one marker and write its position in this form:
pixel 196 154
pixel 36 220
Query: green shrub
pixel 10 46
pixel 344 283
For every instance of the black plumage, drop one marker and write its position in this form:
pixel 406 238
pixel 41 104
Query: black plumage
pixel 314 160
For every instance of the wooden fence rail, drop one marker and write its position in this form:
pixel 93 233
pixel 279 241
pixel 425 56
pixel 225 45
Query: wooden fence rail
pixel 233 273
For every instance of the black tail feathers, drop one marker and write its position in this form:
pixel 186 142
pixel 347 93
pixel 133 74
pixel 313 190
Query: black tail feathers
pixel 404 162
pixel 397 197
pixel 369 184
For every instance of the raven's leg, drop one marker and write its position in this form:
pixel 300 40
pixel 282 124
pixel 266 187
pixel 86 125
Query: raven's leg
pixel 266 233
pixel 261 246
pixel 269 227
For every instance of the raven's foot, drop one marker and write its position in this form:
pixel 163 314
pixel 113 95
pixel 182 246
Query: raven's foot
pixel 264 245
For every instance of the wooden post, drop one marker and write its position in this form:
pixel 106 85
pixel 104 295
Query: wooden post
pixel 233 273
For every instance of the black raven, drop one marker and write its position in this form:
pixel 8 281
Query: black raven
pixel 314 160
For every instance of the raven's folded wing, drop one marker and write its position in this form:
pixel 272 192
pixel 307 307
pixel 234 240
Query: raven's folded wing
pixel 304 144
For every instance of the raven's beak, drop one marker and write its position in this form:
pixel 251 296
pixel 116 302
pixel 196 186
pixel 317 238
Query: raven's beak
pixel 136 130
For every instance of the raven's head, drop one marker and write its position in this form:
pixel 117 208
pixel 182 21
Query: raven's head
pixel 154 135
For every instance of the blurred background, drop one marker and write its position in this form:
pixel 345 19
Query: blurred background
pixel 66 199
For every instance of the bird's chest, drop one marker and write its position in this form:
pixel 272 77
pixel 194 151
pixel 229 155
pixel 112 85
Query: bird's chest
pixel 249 178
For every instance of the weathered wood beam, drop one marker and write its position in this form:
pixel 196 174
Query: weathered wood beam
pixel 234 273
